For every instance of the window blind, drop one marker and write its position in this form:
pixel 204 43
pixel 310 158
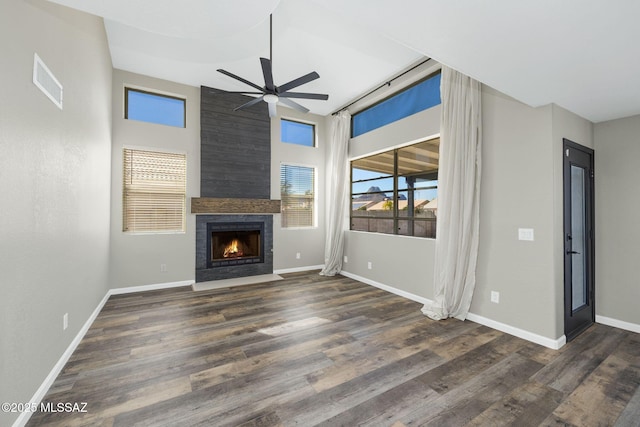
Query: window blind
pixel 297 193
pixel 154 191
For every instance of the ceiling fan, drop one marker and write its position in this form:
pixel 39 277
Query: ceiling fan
pixel 272 94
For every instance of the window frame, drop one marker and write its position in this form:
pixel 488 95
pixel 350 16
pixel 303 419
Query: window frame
pixel 124 192
pixel 395 176
pixel 314 214
pixel 391 96
pixel 301 122
pixel 129 88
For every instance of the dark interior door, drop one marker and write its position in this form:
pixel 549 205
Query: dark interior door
pixel 579 304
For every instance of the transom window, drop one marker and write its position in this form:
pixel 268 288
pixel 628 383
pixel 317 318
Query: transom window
pixel 298 133
pixel 154 108
pixel 395 192
pixel 411 100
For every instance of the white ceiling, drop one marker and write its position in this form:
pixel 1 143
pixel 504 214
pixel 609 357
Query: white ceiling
pixel 579 54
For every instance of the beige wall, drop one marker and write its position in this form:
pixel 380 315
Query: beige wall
pixel 136 258
pixel 617 175
pixel 55 172
pixel 402 262
pixel 177 251
pixel 521 188
pixel 516 192
pixel 308 242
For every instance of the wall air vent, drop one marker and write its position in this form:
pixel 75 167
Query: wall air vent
pixel 46 81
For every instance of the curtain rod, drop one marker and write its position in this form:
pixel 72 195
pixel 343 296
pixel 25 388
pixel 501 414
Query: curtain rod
pixel 387 83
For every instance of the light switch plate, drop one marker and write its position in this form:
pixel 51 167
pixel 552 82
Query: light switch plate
pixel 525 234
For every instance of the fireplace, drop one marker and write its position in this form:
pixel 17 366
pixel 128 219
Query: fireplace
pixel 247 240
pixel 235 188
pixel 234 243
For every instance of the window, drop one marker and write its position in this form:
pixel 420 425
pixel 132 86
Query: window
pixel 297 133
pixel 395 192
pixel 154 191
pixel 154 108
pixel 416 98
pixel 297 192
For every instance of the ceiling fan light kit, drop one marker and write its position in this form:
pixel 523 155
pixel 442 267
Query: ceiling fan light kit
pixel 272 94
pixel 270 98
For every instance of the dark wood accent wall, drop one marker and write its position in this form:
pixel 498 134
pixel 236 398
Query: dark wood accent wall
pixel 235 151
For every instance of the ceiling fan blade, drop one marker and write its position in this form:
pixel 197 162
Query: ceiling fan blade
pixel 220 91
pixel 248 104
pixel 293 105
pixel 241 79
pixel 272 109
pixel 272 94
pixel 268 74
pixel 319 96
pixel 298 82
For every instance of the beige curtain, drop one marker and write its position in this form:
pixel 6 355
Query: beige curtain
pixel 458 224
pixel 337 193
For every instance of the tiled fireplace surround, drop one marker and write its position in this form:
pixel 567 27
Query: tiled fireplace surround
pixel 235 178
pixel 204 274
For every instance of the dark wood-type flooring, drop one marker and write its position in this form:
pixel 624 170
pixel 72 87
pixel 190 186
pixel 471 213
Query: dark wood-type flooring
pixel 312 350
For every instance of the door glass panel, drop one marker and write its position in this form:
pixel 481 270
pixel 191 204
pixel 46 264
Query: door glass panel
pixel 578 238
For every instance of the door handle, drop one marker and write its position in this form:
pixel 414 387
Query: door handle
pixel 572 252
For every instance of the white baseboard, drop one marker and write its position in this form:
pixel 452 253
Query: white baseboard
pixel 387 288
pixel 298 269
pixel 621 324
pixel 48 381
pixel 144 288
pixel 237 281
pixel 520 333
pixel 57 368
pixel 502 327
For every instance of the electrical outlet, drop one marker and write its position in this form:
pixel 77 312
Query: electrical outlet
pixel 297 255
pixel 65 321
pixel 346 259
pixel 495 297
pixel 163 268
pixel 369 265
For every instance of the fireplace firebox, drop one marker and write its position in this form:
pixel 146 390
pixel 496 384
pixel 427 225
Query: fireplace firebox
pixel 234 243
pixel 257 252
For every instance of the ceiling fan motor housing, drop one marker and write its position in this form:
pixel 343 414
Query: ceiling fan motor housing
pixel 273 94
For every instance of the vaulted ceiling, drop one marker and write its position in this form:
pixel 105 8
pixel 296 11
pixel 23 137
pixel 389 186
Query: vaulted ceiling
pixel 579 54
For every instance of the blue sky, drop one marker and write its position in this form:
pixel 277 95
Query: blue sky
pixel 159 109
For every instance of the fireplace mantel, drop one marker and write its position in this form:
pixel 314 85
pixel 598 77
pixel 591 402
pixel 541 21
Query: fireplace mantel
pixel 214 205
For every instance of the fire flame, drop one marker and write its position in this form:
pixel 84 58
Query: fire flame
pixel 233 249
